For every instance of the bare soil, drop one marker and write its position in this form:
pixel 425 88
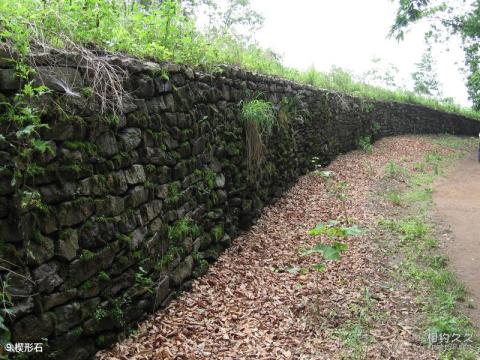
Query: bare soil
pixel 457 200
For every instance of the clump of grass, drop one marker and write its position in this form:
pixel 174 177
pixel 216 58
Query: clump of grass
pixel 365 143
pixel 258 117
pixel 424 268
pixel 394 171
pixel 394 197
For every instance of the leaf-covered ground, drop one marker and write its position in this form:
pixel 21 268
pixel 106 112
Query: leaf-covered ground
pixel 255 303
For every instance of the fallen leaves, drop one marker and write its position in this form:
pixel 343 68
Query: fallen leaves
pixel 243 309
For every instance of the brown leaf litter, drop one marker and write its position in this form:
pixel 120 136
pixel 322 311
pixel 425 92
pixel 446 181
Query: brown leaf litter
pixel 248 307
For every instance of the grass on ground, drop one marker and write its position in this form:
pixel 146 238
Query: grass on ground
pixel 422 266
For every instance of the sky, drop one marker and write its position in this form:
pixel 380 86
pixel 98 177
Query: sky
pixel 348 34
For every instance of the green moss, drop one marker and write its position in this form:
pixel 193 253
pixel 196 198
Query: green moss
pixel 104 219
pixel 40 238
pixel 72 167
pixel 83 146
pixel 121 156
pixel 149 185
pixel 158 136
pixel 232 149
pixel 77 332
pixel 103 276
pixel 138 254
pixel 151 169
pixel 210 178
pixel 87 285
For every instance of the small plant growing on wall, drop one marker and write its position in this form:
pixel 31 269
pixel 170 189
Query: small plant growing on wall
pixel 258 117
pixel 365 143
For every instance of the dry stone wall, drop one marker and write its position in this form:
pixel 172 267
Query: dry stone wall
pixel 138 205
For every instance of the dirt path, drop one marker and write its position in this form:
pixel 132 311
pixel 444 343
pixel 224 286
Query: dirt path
pixel 457 199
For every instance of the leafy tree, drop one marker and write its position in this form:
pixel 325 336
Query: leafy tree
pixel 234 18
pixel 457 18
pixel 425 76
pixel 382 74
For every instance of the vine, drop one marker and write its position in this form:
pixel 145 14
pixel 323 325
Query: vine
pixel 21 125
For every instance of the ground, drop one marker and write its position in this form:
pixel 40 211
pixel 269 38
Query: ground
pixel 385 298
pixel 457 200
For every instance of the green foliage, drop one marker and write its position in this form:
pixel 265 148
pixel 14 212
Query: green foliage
pixel 424 267
pixel 83 146
pixel 217 232
pixel 183 228
pixel 103 276
pixel 329 252
pixel 326 174
pixel 32 200
pixel 173 192
pixel 260 113
pixel 172 252
pixel 166 30
pixel 425 77
pixel 292 108
pixel 87 255
pixel 334 229
pixel 354 333
pixel 100 313
pixel 394 171
pixel 87 285
pixel 376 127
pixel 209 177
pixel 22 118
pixel 446 19
pixel 143 279
pixel 258 117
pixel 365 143
pixel 394 197
pixel 125 239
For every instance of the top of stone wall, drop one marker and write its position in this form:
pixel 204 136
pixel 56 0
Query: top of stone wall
pixel 57 58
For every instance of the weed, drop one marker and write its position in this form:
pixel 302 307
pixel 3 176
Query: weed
pixel 394 197
pixel 103 276
pixel 217 232
pixel 365 143
pixel 87 255
pixel 354 333
pixel 258 117
pixel 143 279
pixel 172 192
pixel 100 314
pixel 183 228
pixel 172 252
pixel 394 171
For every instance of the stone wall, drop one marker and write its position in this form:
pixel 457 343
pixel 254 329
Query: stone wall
pixel 138 205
